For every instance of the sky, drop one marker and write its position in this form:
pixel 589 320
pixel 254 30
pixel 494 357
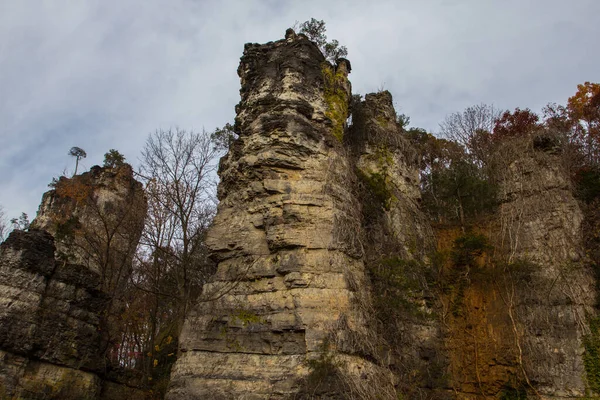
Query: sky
pixel 102 74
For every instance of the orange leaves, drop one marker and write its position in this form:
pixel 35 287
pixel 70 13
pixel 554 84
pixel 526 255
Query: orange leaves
pixel 585 104
pixel 74 189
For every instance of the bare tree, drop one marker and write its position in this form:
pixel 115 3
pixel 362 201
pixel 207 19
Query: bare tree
pixel 171 265
pixel 179 167
pixel 471 129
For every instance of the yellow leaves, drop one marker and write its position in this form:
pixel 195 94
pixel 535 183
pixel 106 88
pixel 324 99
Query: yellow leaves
pixel 579 104
pixel 155 363
pixel 157 348
pixel 169 339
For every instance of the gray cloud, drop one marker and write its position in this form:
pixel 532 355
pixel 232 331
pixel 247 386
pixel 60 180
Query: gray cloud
pixel 102 75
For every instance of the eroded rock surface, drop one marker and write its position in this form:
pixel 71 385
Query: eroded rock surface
pixel 286 236
pixel 96 219
pixel 555 290
pixel 56 305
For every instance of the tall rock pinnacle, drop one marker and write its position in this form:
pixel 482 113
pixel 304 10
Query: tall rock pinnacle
pixel 281 307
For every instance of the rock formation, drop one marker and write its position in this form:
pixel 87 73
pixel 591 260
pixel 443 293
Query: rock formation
pixel 96 219
pixel 287 239
pixel 55 311
pixel 315 216
pixel 523 317
pixel 555 289
pixel 328 283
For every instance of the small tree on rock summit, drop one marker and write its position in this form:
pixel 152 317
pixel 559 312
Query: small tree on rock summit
pixel 78 153
pixel 113 159
pixel 315 31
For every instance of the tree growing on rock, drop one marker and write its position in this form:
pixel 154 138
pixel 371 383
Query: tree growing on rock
pixel 78 153
pixel 515 124
pixel 315 30
pixel 113 159
pixel 20 223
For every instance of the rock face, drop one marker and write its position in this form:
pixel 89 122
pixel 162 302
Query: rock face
pixel 555 290
pixel 398 241
pixel 50 337
pixel 524 318
pixel 49 320
pixel 96 219
pixel 55 313
pixel 287 239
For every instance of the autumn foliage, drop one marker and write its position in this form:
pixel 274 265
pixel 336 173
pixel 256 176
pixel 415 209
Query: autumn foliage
pixel 514 124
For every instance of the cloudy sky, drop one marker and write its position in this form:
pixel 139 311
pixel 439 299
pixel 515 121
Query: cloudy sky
pixel 103 74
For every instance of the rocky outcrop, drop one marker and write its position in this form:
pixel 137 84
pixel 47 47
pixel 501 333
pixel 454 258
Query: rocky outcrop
pixel 50 323
pixel 555 289
pixel 398 242
pixel 57 297
pixel 279 318
pixel 96 219
pixel 519 323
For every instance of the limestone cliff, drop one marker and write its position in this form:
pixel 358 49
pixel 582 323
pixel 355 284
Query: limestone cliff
pixel 96 219
pixel 541 224
pixel 524 309
pixel 56 304
pixel 287 239
pixel 398 241
pixel 330 282
pixel 326 286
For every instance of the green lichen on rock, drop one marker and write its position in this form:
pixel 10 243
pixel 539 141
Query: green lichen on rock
pixel 591 355
pixel 247 317
pixel 336 99
pixel 377 178
pixel 377 187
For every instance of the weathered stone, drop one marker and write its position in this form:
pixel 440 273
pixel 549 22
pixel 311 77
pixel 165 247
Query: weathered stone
pixel 282 283
pixel 54 314
pixel 90 213
pixel 556 291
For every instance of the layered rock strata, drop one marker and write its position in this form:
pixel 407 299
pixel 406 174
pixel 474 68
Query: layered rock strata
pixel 96 219
pixel 287 240
pixel 60 285
pixel 50 338
pixel 555 289
pixel 398 241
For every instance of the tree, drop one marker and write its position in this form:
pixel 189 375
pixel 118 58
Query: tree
pixel 515 124
pixel 584 113
pixel 171 265
pixel 224 137
pixel 20 223
pixel 113 159
pixel 3 225
pixel 471 129
pixel 454 187
pixel 177 166
pixel 315 31
pixel 78 153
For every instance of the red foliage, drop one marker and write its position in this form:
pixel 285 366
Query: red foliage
pixel 518 123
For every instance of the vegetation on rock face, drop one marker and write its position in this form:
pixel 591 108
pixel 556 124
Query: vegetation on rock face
pixel 336 99
pixel 315 30
pixel 113 159
pixel 591 355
